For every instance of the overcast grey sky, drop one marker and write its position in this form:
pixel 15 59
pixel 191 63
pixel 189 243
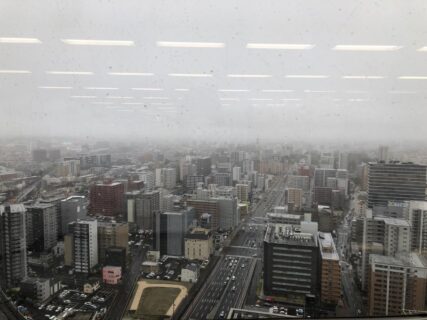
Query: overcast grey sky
pixel 356 94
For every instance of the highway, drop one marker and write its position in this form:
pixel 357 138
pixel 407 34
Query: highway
pixel 353 299
pixel 217 296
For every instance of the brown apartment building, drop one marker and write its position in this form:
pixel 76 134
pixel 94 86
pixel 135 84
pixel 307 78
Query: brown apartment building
pixel 330 287
pixel 107 199
pixel 396 284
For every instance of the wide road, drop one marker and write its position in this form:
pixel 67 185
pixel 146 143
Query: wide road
pixel 119 306
pixel 217 294
pixel 353 298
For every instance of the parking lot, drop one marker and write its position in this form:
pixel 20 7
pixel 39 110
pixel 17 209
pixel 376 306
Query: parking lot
pixel 68 301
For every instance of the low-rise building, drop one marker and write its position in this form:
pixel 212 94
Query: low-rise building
pixel 111 274
pixel 190 273
pixel 198 244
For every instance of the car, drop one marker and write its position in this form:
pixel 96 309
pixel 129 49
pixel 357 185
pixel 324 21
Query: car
pixel 233 278
pixel 243 266
pixel 234 288
pixel 222 314
pixel 227 279
pixel 67 301
pixel 254 255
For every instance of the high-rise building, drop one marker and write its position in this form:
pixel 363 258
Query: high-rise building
pixel 169 233
pixel 13 246
pixel 294 196
pixel 327 160
pixel 291 261
pixel 300 182
pixel 321 176
pixel 107 199
pixel 330 285
pixel 222 179
pixel 166 178
pixel 203 166
pixel 148 178
pixel 236 173
pixel 206 206
pixel 384 236
pixel 396 284
pixel 395 181
pixel 242 192
pixel 417 216
pixel 383 154
pixel 42 231
pixel 146 206
pixel 85 244
pixel 192 181
pixel 72 209
pixel 323 195
pixel 228 213
pixel 111 234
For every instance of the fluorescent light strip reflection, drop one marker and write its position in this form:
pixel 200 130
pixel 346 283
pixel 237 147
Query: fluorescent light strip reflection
pixel 413 78
pixel 261 99
pixel 84 73
pixel 101 102
pixel 88 42
pixel 180 44
pixel 156 98
pixel 83 97
pixel 20 40
pixel 279 46
pixel 182 89
pixel 290 99
pixel 362 77
pixel 143 74
pixel 133 103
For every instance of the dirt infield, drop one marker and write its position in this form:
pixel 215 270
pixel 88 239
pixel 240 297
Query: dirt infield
pixel 161 298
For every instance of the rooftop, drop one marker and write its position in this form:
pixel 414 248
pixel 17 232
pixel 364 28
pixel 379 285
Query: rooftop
pixel 288 234
pixel 394 221
pixel 327 246
pixel 13 208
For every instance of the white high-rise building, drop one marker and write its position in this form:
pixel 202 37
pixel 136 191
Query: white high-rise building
pixel 383 153
pixel 236 173
pixel 242 191
pixel 149 180
pixel 85 245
